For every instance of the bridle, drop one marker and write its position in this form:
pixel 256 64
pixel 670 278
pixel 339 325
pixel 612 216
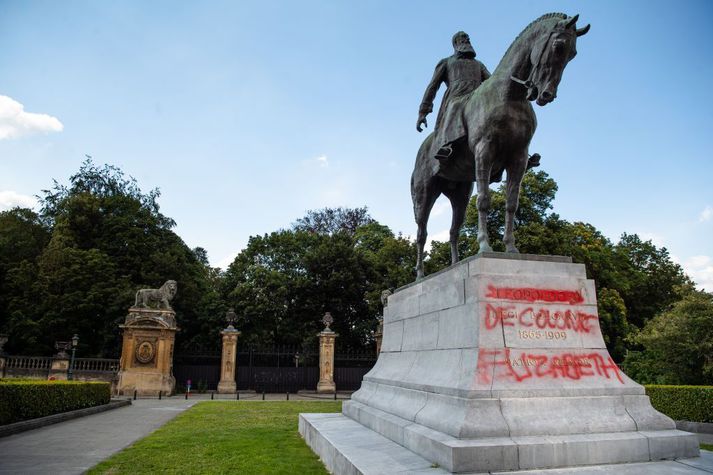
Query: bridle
pixel 529 83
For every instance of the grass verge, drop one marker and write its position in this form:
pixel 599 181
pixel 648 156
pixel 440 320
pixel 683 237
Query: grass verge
pixel 707 447
pixel 225 437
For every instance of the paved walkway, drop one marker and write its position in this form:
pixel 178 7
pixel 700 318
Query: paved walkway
pixel 74 446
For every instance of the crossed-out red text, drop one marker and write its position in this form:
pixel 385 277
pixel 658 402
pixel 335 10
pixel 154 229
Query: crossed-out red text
pixel 528 294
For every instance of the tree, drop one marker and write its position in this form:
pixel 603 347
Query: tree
pixel 652 281
pixel 333 220
pixel 612 321
pixel 677 344
pixel 23 236
pixel 391 258
pixel 537 192
pixel 282 283
pixel 108 239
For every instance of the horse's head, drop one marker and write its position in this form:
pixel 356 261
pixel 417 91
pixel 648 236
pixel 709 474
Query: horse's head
pixel 550 54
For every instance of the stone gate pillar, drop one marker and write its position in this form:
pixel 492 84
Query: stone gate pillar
pixel 60 361
pixel 326 356
pixel 228 360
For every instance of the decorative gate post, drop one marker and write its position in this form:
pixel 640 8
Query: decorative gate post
pixel 230 350
pixel 326 356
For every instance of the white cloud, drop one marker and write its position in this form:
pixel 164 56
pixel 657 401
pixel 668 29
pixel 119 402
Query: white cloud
pixel 706 214
pixel 16 122
pixel 700 269
pixel 10 199
pixel 322 161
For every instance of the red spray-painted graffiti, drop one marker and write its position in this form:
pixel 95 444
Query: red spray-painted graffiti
pixel 498 364
pixel 526 294
pixel 543 318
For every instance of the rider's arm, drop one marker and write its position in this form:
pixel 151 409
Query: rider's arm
pixel 439 76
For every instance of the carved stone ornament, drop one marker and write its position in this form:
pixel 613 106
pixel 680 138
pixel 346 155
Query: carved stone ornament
pixel 145 352
pixel 327 320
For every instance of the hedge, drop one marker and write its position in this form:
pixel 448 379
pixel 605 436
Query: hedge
pixel 28 399
pixel 683 403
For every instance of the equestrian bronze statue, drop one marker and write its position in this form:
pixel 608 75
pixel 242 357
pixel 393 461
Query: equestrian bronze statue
pixel 497 124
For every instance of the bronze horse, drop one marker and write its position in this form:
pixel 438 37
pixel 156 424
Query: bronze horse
pixel 500 123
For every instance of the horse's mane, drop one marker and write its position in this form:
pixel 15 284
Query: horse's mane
pixel 561 16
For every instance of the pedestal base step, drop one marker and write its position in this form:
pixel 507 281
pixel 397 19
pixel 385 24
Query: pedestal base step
pixel 347 447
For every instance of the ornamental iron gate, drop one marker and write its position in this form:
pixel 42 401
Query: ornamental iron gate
pixel 276 369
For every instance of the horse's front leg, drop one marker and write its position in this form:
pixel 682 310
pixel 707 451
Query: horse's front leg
pixel 459 195
pixel 483 152
pixel 514 179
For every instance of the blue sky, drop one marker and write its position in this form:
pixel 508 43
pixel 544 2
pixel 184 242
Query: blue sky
pixel 247 114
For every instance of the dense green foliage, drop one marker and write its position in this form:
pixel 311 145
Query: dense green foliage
pixel 74 268
pixel 677 344
pixel 683 403
pixel 283 283
pixel 94 243
pixel 24 399
pixel 225 437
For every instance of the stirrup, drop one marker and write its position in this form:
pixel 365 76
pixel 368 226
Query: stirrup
pixel 444 152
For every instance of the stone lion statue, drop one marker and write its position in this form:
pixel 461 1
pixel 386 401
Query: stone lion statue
pixel 150 298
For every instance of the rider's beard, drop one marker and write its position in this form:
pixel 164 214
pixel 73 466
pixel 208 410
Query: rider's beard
pixel 465 50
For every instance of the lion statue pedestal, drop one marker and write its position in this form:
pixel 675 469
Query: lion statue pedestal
pixel 147 349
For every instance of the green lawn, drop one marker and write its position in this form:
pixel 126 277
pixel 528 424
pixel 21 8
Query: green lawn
pixel 225 437
pixel 228 437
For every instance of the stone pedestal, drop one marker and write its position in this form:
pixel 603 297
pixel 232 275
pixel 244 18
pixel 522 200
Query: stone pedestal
pixel 227 362
pixel 147 352
pixel 326 362
pixel 498 363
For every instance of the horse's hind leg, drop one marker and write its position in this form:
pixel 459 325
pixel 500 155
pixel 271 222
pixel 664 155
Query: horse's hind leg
pixel 512 196
pixel 459 196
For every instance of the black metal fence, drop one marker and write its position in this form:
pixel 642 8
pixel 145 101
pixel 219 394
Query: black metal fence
pixel 275 369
